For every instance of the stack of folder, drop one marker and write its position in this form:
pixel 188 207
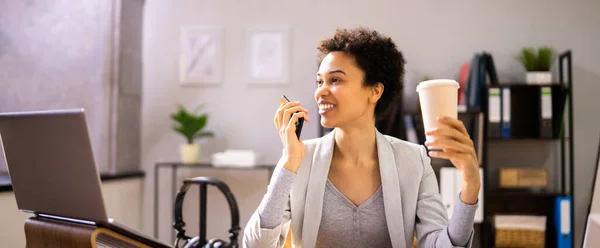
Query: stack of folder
pixel 515 110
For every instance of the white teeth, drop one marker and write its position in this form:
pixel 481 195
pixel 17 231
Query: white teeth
pixel 326 106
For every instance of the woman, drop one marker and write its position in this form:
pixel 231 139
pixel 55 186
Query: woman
pixel 355 187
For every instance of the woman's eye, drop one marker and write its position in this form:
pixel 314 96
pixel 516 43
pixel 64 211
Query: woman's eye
pixel 335 80
pixel 319 82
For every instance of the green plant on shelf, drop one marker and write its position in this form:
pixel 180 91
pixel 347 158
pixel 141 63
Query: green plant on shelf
pixel 190 124
pixel 537 60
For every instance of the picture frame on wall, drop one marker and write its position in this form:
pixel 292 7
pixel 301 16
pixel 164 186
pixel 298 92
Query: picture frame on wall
pixel 267 54
pixel 200 55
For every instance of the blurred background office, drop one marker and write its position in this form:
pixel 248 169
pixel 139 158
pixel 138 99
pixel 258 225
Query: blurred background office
pixel 131 63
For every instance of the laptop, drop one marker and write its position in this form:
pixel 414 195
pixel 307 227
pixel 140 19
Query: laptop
pixel 52 168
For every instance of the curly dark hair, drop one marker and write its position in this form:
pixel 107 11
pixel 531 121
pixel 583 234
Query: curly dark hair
pixel 376 55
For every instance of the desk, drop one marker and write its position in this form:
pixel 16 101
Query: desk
pixel 175 165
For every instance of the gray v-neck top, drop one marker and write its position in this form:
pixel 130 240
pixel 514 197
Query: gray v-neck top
pixel 345 225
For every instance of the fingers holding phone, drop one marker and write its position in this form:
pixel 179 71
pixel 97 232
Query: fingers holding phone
pixel 288 114
pixel 288 120
pixel 284 114
pixel 293 125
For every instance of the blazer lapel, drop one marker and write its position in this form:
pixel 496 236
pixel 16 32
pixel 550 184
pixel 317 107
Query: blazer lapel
pixel 316 190
pixel 390 185
pixel 390 182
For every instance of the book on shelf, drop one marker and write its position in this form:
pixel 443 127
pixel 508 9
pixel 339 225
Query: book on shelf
pixel 482 72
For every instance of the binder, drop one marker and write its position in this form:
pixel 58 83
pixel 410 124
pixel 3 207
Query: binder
pixel 494 113
pixel 559 101
pixel 562 221
pixel 450 187
pixel 478 218
pixel 490 68
pixel 472 89
pixel 482 72
pixel 478 135
pixel 505 108
pixel 546 128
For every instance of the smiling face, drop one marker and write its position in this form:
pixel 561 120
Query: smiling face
pixel 342 97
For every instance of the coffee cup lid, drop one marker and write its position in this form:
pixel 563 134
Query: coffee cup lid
pixel 436 82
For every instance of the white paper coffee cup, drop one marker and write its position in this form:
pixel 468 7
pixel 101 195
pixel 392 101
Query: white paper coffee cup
pixel 438 97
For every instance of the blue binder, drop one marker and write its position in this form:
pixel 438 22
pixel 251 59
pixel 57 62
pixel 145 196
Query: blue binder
pixel 505 112
pixel 562 221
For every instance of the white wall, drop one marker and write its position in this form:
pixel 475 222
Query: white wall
pixel 122 199
pixel 65 54
pixel 435 36
pixel 52 56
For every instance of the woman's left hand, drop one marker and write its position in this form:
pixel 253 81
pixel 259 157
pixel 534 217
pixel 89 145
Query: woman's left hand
pixel 452 138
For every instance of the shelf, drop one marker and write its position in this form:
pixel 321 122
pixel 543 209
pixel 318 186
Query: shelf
pixel 520 202
pixel 550 234
pixel 518 193
pixel 526 124
pixel 438 163
pixel 524 84
pixel 460 112
pixel 525 139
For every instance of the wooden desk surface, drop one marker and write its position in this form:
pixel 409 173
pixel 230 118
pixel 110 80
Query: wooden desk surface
pixel 45 233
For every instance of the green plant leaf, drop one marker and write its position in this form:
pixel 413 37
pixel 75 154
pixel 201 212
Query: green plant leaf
pixel 540 60
pixel 545 57
pixel 190 124
pixel 201 121
pixel 527 57
pixel 180 130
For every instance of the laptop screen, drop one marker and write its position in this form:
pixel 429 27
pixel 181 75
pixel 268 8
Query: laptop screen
pixel 51 164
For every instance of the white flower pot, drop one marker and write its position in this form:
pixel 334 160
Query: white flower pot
pixel 539 77
pixel 190 153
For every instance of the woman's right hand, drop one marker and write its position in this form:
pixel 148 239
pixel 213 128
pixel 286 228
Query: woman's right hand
pixel 293 148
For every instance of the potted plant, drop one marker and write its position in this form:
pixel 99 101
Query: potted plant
pixel 537 64
pixel 191 125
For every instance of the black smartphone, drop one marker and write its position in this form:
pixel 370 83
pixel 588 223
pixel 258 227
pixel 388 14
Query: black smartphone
pixel 299 123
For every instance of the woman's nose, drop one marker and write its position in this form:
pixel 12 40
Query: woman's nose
pixel 322 90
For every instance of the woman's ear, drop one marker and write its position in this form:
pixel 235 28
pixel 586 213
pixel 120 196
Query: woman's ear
pixel 376 91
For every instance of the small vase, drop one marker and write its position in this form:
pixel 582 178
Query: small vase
pixel 539 77
pixel 190 153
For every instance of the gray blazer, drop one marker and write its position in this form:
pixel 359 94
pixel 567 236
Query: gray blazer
pixel 410 193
